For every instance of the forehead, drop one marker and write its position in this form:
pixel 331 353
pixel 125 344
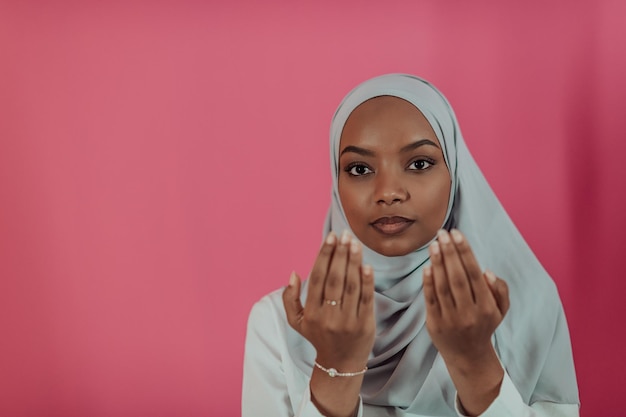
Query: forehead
pixel 385 120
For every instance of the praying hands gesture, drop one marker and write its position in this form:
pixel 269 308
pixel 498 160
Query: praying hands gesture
pixel 464 307
pixel 338 320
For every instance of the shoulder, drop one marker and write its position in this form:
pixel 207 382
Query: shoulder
pixel 268 312
pixel 269 335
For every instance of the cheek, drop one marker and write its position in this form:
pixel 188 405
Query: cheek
pixel 352 200
pixel 440 198
pixel 437 196
pixel 349 201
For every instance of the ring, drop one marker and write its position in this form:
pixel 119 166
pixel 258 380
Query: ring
pixel 331 302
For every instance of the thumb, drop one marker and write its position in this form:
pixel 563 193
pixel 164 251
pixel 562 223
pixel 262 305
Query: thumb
pixel 291 302
pixel 500 291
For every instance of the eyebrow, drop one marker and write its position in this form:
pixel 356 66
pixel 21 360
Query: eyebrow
pixel 407 148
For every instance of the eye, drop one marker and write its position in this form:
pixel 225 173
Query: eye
pixel 357 170
pixel 421 164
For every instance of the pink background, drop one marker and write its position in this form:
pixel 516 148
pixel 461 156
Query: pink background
pixel 162 166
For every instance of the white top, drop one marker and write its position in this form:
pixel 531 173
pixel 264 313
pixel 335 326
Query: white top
pixel 275 384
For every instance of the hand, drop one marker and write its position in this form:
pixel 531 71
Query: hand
pixel 463 308
pixel 338 316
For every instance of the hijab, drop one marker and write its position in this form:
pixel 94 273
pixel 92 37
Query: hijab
pixel 405 369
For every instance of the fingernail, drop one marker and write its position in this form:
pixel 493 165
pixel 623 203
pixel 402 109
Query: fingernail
pixel 434 248
pixel 354 247
pixel 456 236
pixel 490 277
pixel 443 236
pixel 330 239
pixel 367 269
pixel 428 270
pixel 345 237
pixel 293 279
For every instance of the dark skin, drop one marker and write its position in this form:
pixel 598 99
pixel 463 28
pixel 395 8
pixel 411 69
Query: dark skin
pixel 391 164
pixel 343 335
pixel 389 156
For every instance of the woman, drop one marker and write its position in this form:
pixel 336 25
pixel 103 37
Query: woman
pixel 397 317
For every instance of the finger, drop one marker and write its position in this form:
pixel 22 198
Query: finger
pixel 320 270
pixel 352 287
pixel 440 279
pixel 336 277
pixel 430 296
pixel 366 302
pixel 291 302
pixel 470 264
pixel 500 291
pixel 455 271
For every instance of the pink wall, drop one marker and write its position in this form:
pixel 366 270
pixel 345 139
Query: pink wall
pixel 164 166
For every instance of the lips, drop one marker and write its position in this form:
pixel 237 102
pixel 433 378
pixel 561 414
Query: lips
pixel 392 225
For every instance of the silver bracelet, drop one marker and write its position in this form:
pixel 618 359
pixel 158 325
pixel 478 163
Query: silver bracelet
pixel 332 372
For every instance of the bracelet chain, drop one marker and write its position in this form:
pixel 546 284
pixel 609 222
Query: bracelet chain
pixel 332 372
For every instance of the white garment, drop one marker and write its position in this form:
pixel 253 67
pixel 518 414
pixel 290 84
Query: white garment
pixel 276 381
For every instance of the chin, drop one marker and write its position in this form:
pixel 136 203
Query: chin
pixel 393 250
pixel 397 245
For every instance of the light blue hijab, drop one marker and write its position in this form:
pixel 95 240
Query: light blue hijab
pixel 405 369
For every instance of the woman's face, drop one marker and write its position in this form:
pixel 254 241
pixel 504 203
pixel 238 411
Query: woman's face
pixel 394 184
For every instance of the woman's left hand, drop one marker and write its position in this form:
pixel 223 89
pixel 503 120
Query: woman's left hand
pixel 464 307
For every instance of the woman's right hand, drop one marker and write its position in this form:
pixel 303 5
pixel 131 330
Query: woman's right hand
pixel 338 320
pixel 338 315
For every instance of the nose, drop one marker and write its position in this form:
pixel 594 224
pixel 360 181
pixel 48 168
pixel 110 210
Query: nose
pixel 390 189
